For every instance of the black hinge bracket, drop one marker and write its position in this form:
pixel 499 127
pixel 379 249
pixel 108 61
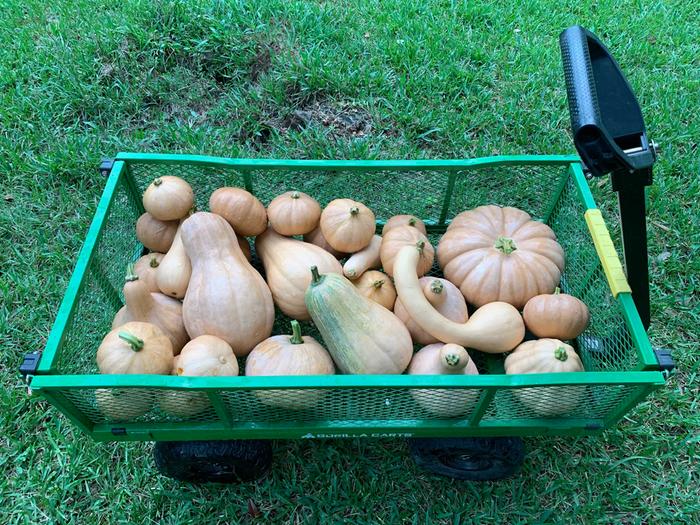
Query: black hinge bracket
pixel 106 165
pixel 665 359
pixel 30 364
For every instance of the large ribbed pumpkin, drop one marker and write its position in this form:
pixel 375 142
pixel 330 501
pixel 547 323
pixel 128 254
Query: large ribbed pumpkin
pixel 500 254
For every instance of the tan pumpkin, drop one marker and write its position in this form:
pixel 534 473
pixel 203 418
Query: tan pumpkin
pixel 293 213
pixel 347 225
pixel 500 254
pixel 226 296
pixel 545 356
pixel 135 348
pixel 154 234
pixel 168 198
pixel 152 307
pixel 401 236
pixel 173 273
pixel 287 263
pixel 245 247
pixel 494 328
pixel 284 355
pixel 404 220
pixel 123 404
pixel 445 297
pixel 243 211
pixel 377 287
pixel 366 259
pixel 557 315
pixel 145 267
pixel 316 237
pixel 438 359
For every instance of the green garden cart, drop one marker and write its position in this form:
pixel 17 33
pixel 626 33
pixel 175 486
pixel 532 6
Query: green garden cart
pixel 229 439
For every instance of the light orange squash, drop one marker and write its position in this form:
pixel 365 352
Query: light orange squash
pixel 558 316
pixel 404 220
pixel 287 263
pixel 135 348
pixel 243 211
pixel 494 328
pixel 293 213
pixel 152 307
pixel 545 356
pixel 400 236
pixel 347 225
pixel 173 273
pixel 145 267
pixel 123 404
pixel 316 237
pixel 154 234
pixel 362 336
pixel 245 247
pixel 377 287
pixel 366 259
pixel 284 355
pixel 445 297
pixel 500 254
pixel 226 296
pixel 443 358
pixel 168 198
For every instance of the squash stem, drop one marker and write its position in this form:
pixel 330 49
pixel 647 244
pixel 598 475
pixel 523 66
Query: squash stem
pixel 506 245
pixel 296 338
pixel 158 182
pixel 412 221
pixel 130 275
pixel 420 245
pixel 378 283
pixel 557 291
pixel 437 287
pixel 295 195
pixel 134 342
pixel 315 276
pixel 560 353
pixel 354 210
pixel 154 262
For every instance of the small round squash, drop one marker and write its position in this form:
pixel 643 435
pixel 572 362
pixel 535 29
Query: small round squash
pixel 146 268
pixel 168 198
pixel 544 356
pixel 400 236
pixel 154 234
pixel 123 404
pixel 293 213
pixel 135 348
pixel 557 315
pixel 243 211
pixel 404 220
pixel 378 287
pixel 347 225
pixel 284 355
pixel 443 358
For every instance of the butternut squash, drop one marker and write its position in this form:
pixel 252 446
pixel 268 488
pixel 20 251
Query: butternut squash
pixel 145 267
pixel 135 348
pixel 293 213
pixel 377 286
pixel 347 225
pixel 173 273
pixel 366 259
pixel 316 237
pixel 287 263
pixel 243 211
pixel 226 296
pixel 404 220
pixel 401 236
pixel 154 234
pixel 168 198
pixel 494 328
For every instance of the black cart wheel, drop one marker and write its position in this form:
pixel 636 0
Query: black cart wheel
pixel 472 459
pixel 213 461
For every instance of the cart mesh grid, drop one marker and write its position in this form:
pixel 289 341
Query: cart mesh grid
pixel 546 190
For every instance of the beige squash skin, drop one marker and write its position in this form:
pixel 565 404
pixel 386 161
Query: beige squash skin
pixel 404 220
pixel 123 404
pixel 293 213
pixel 173 273
pixel 377 286
pixel 245 247
pixel 366 259
pixel 146 268
pixel 347 225
pixel 283 355
pixel 154 234
pixel 362 336
pixel 469 255
pixel 116 356
pixel 401 236
pixel 445 298
pixel 243 211
pixel 494 328
pixel 226 296
pixel 153 307
pixel 287 262
pixel 443 358
pixel 543 356
pixel 316 237
pixel 557 315
pixel 168 198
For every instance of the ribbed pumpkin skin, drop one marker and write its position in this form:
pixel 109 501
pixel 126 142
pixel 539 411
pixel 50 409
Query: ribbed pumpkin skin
pixel 361 336
pixel 557 315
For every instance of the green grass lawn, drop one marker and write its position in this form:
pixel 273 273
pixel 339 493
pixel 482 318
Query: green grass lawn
pixel 331 79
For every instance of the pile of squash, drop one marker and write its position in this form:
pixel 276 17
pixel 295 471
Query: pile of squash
pixel 195 305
